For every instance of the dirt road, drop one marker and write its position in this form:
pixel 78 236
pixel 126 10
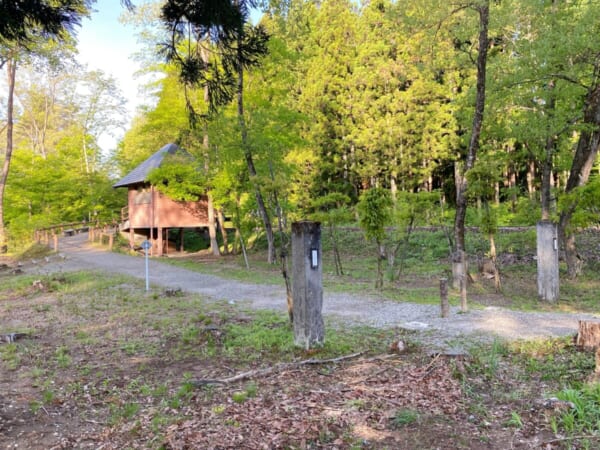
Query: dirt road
pixel 488 322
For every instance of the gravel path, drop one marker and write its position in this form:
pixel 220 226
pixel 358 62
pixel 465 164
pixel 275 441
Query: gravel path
pixel 442 333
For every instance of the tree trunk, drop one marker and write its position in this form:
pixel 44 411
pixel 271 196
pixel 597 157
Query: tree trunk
pixel 212 228
pixel 530 180
pixel 221 220
pixel 380 258
pixel 461 183
pixel 550 150
pixel 493 257
pixel 583 161
pixel 546 193
pixel 336 252
pixel 11 70
pixel 513 184
pixel 284 251
pixel 262 209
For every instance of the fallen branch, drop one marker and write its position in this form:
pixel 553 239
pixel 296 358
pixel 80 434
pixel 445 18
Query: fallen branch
pixel 269 370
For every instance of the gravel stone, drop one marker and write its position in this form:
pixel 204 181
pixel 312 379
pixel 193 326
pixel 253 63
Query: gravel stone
pixel 338 308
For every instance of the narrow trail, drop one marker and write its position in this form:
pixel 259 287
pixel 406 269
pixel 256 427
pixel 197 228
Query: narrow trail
pixel 349 308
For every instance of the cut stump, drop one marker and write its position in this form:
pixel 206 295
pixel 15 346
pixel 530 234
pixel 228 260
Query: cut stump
pixel 588 338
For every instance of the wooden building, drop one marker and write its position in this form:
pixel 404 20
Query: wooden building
pixel 150 214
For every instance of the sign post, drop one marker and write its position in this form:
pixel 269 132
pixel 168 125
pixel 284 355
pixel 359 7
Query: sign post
pixel 146 246
pixel 307 284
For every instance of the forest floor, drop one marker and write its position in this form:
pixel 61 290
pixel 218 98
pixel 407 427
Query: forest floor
pixel 103 364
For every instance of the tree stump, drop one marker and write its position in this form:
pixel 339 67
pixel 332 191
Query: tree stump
pixel 588 338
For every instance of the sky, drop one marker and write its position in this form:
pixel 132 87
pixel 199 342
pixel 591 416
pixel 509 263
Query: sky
pixel 108 45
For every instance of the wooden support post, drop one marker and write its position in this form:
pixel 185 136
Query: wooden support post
pixel 160 242
pixel 181 240
pixel 55 241
pixel 111 240
pixel 307 286
pixel 444 297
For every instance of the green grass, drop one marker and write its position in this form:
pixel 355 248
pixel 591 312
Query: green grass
pixel 404 417
pixel 134 356
pixel 424 261
pixel 269 336
pixel 580 419
pixel 9 355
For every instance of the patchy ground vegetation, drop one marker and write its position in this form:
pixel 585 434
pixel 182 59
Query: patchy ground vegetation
pixel 422 261
pixel 100 363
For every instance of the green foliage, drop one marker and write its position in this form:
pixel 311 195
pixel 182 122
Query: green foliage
pixel 585 199
pixel 9 356
pixel 331 209
pixel 179 178
pixel 374 212
pixel 158 126
pixel 515 420
pixel 582 415
pixel 57 172
pixel 268 333
pixel 404 417
pixel 486 358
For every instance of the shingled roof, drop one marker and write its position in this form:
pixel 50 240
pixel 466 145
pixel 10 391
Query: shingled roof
pixel 140 173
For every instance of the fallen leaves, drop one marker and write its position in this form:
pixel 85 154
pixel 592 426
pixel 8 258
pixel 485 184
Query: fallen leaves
pixel 305 409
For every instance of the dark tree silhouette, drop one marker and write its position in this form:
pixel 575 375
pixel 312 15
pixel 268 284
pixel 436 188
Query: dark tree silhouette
pixel 21 20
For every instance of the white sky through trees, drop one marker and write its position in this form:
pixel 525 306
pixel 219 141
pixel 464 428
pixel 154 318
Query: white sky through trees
pixel 106 44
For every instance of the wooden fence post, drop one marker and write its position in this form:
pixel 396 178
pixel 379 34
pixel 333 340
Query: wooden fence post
pixel 444 297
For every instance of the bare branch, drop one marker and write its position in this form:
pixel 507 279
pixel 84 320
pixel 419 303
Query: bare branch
pixel 272 369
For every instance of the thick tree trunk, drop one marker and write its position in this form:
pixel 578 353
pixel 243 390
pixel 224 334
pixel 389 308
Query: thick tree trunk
pixel 11 70
pixel 583 161
pixel 461 182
